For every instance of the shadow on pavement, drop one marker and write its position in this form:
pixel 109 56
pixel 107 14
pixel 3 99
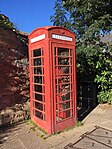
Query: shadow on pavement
pixel 6 131
pixel 83 112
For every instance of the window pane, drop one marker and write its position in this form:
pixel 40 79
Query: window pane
pixel 65 87
pixel 38 79
pixel 64 79
pixel 38 88
pixel 38 97
pixel 38 114
pixel 63 61
pixel 38 70
pixel 63 70
pixel 67 113
pixel 63 52
pixel 39 106
pixel 65 105
pixel 36 52
pixel 37 62
pixel 66 96
pixel 62 88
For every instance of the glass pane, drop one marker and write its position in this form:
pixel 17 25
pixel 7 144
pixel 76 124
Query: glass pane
pixel 67 113
pixel 38 97
pixel 64 115
pixel 55 51
pixel 39 114
pixel 36 52
pixel 37 62
pixel 63 52
pixel 65 105
pixel 65 87
pixel 38 70
pixel 62 88
pixel 38 88
pixel 63 61
pixel 66 96
pixel 64 79
pixel 39 106
pixel 71 52
pixel 63 70
pixel 38 79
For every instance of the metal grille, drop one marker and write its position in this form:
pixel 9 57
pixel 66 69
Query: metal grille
pixel 38 84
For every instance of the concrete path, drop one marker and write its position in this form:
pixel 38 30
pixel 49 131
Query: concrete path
pixel 24 137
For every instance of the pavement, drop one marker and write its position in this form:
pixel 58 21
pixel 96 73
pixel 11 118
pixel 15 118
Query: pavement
pixel 27 136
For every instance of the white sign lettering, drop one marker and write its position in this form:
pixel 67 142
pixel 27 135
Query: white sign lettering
pixel 38 38
pixel 61 37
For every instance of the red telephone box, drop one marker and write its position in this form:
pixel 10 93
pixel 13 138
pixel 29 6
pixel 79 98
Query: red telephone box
pixel 52 63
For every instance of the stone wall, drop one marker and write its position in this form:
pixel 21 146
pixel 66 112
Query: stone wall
pixel 14 74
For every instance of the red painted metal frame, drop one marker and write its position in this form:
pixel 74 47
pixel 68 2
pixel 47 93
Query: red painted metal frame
pixel 48 44
pixel 67 122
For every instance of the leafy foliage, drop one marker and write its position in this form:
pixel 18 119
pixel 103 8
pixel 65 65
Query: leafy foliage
pixel 89 13
pixel 104 77
pixel 61 16
pixel 5 22
pixel 90 20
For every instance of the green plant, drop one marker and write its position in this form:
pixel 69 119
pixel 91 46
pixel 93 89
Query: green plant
pixel 39 131
pixel 79 123
pixel 33 128
pixel 5 22
pixel 110 97
pixel 104 78
pixel 90 20
pixel 60 17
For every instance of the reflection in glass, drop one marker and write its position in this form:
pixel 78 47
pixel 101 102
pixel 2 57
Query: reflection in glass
pixel 37 61
pixel 63 61
pixel 65 87
pixel 38 97
pixel 66 96
pixel 38 70
pixel 63 69
pixel 38 88
pixel 67 113
pixel 38 114
pixel 65 79
pixel 63 52
pixel 62 88
pixel 39 106
pixel 65 105
pixel 36 52
pixel 38 79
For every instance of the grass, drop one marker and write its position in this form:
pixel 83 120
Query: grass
pixel 39 131
pixel 79 123
pixel 42 133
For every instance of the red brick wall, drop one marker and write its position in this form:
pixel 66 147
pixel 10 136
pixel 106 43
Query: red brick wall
pixel 13 70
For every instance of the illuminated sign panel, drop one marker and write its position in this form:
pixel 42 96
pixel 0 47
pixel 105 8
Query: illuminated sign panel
pixel 61 37
pixel 38 38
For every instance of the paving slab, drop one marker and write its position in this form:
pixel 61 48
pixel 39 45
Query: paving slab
pixel 21 137
pixel 100 116
pixel 24 137
pixel 98 138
